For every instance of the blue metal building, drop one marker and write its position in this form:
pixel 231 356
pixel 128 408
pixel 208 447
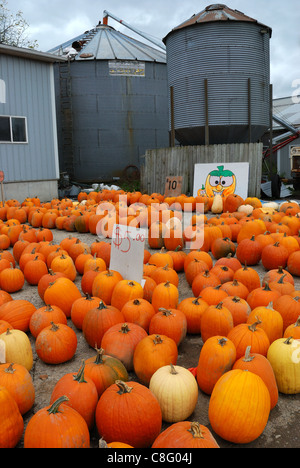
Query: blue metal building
pixel 28 126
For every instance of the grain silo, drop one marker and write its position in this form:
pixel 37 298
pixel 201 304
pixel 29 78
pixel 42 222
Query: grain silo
pixel 218 65
pixel 112 100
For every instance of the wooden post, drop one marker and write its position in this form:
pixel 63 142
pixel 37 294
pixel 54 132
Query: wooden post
pixel 172 142
pixel 249 109
pixel 206 112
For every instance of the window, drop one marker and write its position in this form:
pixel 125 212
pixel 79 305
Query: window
pixel 13 130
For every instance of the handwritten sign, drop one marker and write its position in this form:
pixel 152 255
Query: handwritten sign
pixel 127 252
pixel 173 186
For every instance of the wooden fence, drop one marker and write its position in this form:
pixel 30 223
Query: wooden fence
pixel 180 160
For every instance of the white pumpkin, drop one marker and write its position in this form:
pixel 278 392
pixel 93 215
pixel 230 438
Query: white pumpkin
pixel 176 390
pixel 246 209
pixel 272 205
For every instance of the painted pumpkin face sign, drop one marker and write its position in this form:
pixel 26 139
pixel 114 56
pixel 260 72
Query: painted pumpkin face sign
pixel 221 182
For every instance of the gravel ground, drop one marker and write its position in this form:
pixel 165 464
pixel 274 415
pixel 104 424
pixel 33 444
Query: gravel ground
pixel 283 427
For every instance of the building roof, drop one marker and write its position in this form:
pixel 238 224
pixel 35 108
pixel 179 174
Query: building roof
pixel 105 43
pixel 29 54
pixel 217 12
pixel 287 108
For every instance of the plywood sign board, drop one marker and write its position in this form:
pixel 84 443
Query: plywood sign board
pixel 127 252
pixel 223 178
pixel 173 186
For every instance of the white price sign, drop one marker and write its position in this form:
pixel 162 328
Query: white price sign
pixel 2 352
pixel 127 252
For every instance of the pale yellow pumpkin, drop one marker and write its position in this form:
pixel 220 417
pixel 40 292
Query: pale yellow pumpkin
pixel 217 204
pixel 245 209
pixel 284 356
pixel 176 390
pixel 18 348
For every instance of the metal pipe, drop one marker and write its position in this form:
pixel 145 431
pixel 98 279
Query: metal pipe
pixel 154 41
pixel 285 124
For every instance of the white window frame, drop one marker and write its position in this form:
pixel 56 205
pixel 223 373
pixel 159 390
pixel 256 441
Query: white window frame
pixel 10 117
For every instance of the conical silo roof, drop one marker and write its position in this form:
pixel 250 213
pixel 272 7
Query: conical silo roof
pixel 105 43
pixel 217 12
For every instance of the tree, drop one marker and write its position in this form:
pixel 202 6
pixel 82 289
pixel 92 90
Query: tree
pixel 13 28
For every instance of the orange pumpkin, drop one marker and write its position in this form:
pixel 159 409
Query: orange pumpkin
pixel 249 412
pixel 169 322
pixel 120 341
pixel 136 419
pixel 138 311
pixel 193 309
pixel 104 370
pixel 151 353
pixel 259 365
pixel 216 320
pixel 244 335
pixel 56 344
pixel 217 356
pixel 57 426
pixel 12 424
pixel 185 434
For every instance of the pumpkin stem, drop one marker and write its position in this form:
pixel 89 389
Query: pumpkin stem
pixel 55 407
pixel 195 430
pixel 236 299
pixel 124 328
pixel 288 340
pixel 80 376
pixel 136 302
pixel 253 326
pixel 102 305
pixel 247 357
pixel 123 387
pixel 222 341
pixel 157 340
pixel 49 308
pixel 99 357
pixel 10 369
pixel 173 370
pixel 102 443
pixel 281 280
pixel 219 306
pixel 196 301
pixel 165 312
pixel 54 327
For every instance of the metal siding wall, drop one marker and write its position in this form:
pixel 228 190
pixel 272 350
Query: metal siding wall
pixel 28 94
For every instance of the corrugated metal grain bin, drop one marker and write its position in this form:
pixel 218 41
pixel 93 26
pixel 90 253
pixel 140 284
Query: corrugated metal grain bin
pixel 113 99
pixel 218 66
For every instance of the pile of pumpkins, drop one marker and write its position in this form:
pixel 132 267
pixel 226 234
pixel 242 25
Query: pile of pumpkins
pixel 250 327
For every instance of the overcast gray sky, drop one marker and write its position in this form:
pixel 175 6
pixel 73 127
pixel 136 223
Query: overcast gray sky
pixel 57 21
